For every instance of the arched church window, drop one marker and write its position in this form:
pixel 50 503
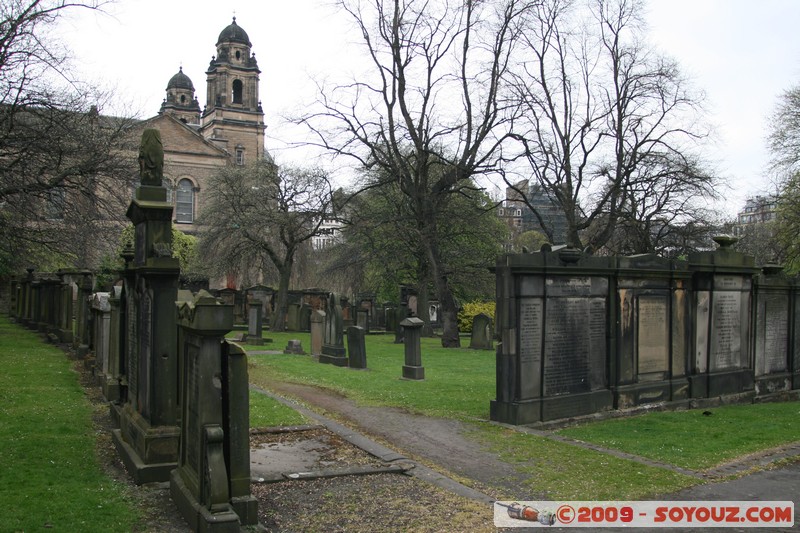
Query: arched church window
pixel 183 98
pixel 184 202
pixel 237 91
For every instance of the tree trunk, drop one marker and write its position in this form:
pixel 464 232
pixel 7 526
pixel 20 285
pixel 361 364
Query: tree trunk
pixel 447 302
pixel 282 303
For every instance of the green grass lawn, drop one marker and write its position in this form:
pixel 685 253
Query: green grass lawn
pixel 460 383
pixel 692 440
pixel 49 473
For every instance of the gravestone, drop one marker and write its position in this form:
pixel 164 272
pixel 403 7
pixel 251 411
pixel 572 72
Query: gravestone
pixel 294 347
pixel 772 325
pixel 65 333
pixel 553 321
pixel 654 338
pixel 293 317
pixel 111 383
pixel 356 348
pixel 481 337
pixel 101 311
pixel 305 317
pixel 255 323
pixel 722 284
pixel 333 350
pixel 362 319
pixel 317 331
pixel 148 437
pixel 81 340
pixel 263 294
pixel 211 482
pixel 412 334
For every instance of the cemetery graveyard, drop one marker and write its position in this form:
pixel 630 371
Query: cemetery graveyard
pixel 574 335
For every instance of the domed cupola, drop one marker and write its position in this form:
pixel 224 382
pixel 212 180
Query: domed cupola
pixel 180 101
pixel 180 81
pixel 234 34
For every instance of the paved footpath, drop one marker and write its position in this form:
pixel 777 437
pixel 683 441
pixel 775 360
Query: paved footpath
pixel 444 442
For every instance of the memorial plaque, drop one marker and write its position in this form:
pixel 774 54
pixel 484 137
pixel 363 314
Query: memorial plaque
pixel 566 346
pixel 145 351
pixel 194 436
pixel 530 346
pixel 597 342
pixel 726 330
pixel 776 333
pixel 133 352
pixel 569 286
pixel 652 334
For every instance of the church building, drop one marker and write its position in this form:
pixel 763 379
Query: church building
pixel 228 130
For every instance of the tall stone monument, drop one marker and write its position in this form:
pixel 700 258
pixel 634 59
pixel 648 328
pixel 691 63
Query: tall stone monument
pixel 333 350
pixel 149 433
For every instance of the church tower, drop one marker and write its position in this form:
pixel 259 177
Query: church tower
pixel 233 118
pixel 180 101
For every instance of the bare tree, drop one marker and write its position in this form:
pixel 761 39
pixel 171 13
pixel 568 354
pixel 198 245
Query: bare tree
pixel 429 115
pixel 63 175
pixel 260 215
pixel 612 128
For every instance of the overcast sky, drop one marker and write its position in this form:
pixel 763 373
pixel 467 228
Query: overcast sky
pixel 742 53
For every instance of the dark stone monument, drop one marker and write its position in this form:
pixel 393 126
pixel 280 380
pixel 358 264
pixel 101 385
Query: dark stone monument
pixel 722 284
pixel 356 347
pixel 255 323
pixel 552 313
pixel 81 340
pixel 362 319
pixel 65 324
pixel 653 296
pixel 110 383
pixel 149 433
pixel 294 347
pixel 412 334
pixel 333 350
pixel 101 318
pixel 772 326
pixel 293 317
pixel 211 484
pixel 481 338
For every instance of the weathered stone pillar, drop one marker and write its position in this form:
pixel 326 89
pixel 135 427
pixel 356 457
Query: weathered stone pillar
pixel 111 381
pixel 214 456
pixel 65 325
pixel 317 331
pixel 333 350
pixel 101 318
pixel 412 333
pixel 255 323
pixel 82 341
pixel 149 434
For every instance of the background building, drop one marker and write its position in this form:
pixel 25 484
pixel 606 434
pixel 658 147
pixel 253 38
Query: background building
pixel 228 130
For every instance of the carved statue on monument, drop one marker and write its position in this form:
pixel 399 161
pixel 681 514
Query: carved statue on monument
pixel 151 158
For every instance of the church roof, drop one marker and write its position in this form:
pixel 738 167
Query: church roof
pixel 234 34
pixel 180 81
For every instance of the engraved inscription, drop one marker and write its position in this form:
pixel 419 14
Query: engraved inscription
pixel 726 330
pixel 530 346
pixel 563 286
pixel 192 403
pixel 597 342
pixel 652 334
pixel 566 346
pixel 776 334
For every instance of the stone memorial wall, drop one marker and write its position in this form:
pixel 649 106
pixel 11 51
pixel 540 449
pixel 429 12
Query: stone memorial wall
pixel 580 334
